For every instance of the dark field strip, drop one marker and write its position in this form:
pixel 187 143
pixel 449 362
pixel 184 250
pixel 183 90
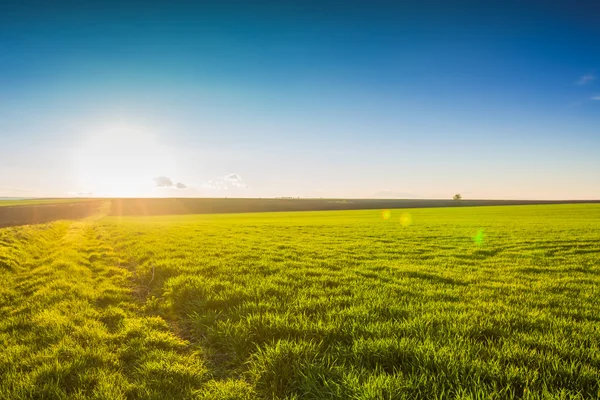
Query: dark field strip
pixel 171 206
pixel 39 213
pixel 445 303
pixel 8 202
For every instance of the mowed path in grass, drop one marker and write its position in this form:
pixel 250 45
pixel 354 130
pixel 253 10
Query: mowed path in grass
pixel 485 302
pixel 71 328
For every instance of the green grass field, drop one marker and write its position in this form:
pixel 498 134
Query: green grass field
pixel 448 303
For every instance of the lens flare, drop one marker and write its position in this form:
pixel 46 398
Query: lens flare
pixel 478 238
pixel 386 214
pixel 405 219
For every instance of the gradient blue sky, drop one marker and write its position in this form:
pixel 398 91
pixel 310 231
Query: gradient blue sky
pixel 308 98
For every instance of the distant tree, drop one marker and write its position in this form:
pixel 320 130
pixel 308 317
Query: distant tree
pixel 457 197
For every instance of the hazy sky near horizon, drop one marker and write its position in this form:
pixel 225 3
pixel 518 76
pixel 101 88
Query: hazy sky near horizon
pixel 491 99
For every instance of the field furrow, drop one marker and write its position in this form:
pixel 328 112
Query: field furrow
pixel 71 327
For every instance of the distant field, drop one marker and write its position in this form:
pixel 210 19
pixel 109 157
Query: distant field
pixel 30 202
pixel 37 213
pixel 170 206
pixel 27 212
pixel 439 303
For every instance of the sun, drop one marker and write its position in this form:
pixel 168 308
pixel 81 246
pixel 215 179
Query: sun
pixel 121 161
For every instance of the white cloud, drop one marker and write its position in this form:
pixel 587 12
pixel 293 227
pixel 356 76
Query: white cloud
pixel 229 181
pixel 595 97
pixel 236 181
pixel 165 181
pixel 585 79
pixel 213 185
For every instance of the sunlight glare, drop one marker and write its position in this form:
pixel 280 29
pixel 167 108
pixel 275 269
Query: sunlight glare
pixel 386 214
pixel 405 219
pixel 121 162
pixel 478 238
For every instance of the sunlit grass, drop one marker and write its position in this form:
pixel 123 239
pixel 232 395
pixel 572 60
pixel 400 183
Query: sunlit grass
pixel 498 302
pixel 70 327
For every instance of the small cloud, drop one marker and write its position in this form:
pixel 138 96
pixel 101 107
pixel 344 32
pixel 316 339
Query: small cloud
pixel 230 181
pixel 585 79
pixel 236 181
pixel 595 97
pixel 163 181
pixel 214 185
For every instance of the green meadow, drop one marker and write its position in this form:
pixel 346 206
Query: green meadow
pixel 440 303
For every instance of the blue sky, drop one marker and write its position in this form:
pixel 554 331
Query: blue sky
pixel 308 98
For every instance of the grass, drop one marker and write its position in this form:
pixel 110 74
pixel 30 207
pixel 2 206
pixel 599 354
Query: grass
pixel 69 327
pixel 454 303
